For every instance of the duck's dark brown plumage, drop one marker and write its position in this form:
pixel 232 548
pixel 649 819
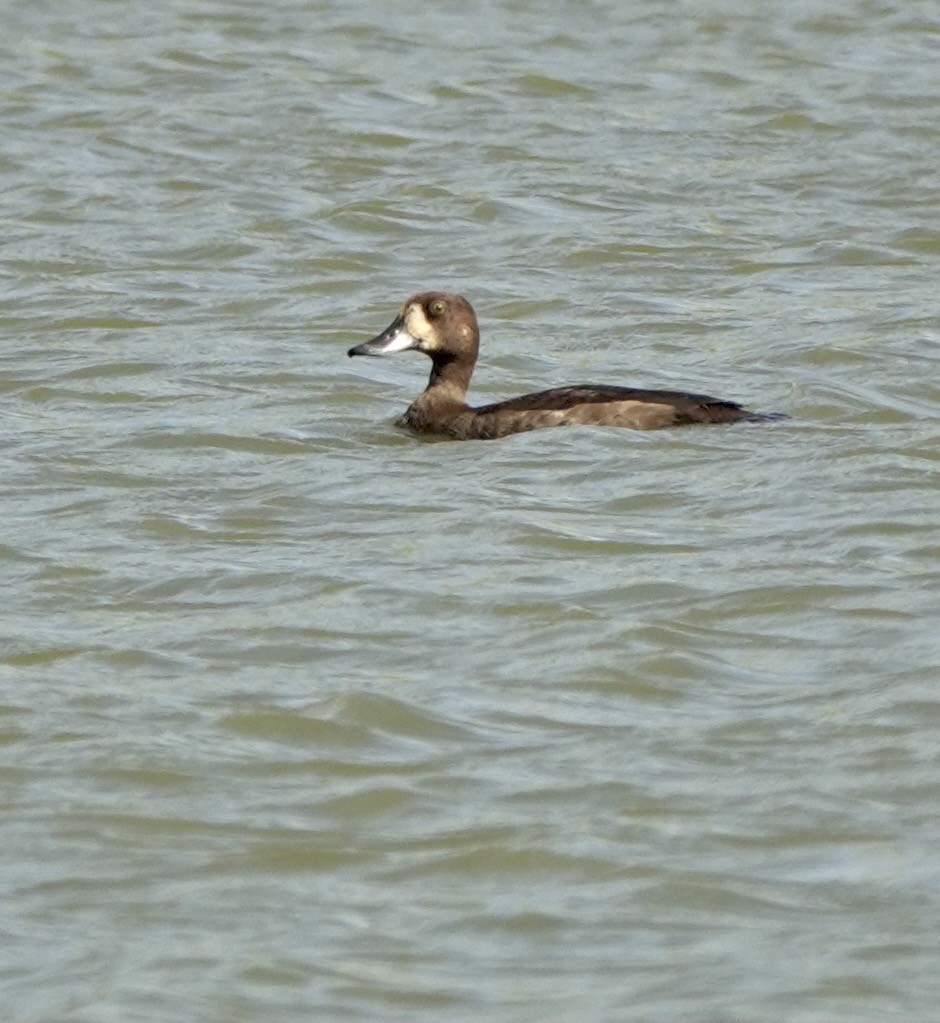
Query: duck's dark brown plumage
pixel 444 326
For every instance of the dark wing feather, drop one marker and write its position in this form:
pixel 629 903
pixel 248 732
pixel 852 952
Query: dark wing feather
pixel 689 408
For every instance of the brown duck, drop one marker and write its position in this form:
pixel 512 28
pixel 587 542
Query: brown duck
pixel 444 326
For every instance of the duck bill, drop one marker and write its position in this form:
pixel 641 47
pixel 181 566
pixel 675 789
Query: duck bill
pixel 395 338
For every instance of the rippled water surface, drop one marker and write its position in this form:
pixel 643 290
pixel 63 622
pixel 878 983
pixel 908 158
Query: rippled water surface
pixel 303 718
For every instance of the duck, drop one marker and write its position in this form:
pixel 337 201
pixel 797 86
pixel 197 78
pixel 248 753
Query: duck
pixel 444 326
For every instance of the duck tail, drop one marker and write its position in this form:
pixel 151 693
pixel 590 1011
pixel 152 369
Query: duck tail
pixel 764 417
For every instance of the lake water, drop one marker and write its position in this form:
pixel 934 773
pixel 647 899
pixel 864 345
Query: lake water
pixel 304 718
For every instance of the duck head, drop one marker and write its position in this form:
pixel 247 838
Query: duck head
pixel 440 324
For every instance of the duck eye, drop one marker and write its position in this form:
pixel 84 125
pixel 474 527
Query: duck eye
pixel 437 308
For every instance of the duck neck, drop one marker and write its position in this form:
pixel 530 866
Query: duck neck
pixel 450 376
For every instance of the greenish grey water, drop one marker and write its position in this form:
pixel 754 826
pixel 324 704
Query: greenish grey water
pixel 302 718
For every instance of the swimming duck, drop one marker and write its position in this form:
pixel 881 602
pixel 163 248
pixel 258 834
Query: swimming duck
pixel 444 326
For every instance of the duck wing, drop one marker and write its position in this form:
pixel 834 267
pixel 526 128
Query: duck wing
pixel 673 408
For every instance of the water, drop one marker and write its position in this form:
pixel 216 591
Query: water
pixel 304 718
